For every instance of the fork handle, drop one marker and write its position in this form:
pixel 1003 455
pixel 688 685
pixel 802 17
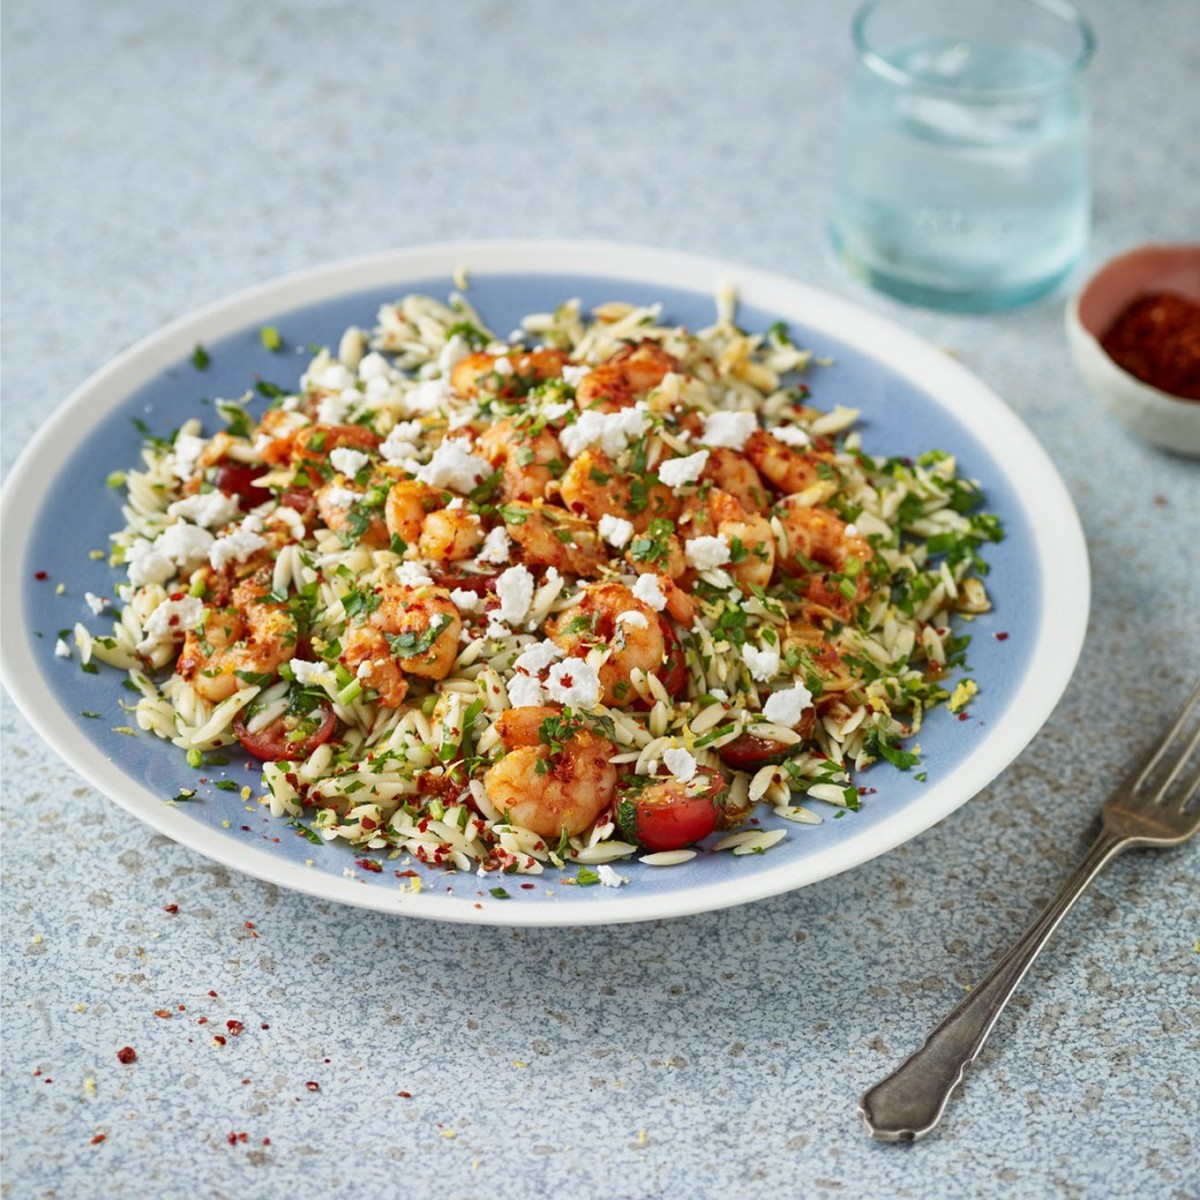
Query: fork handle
pixel 909 1102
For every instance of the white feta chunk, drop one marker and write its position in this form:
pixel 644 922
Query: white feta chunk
pixel 575 682
pixel 234 547
pixel 96 603
pixel 348 460
pixel 514 589
pixel 705 553
pixel 497 546
pixel 186 450
pixel 616 531
pixel 763 663
pixel 169 621
pixel 536 658
pixel 524 691
pixel 728 429
pixel 680 763
pixel 786 707
pixel 413 574
pixel 454 466
pixel 340 497
pixel 675 472
pixel 648 589
pixel 185 545
pixel 61 649
pixel 310 672
pixel 465 600
pixel 208 509
pixel 792 435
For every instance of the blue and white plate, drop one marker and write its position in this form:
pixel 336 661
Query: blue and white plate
pixel 57 510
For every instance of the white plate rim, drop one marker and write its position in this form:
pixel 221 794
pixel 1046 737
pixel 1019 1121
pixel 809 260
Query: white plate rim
pixel 1057 537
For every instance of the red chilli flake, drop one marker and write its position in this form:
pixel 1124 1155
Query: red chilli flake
pixel 41 576
pixel 1002 636
pixel 127 1054
pixel 171 908
pixel 368 864
pixel 313 1087
pixel 236 1028
pixel 218 1040
pixel 164 1014
pixel 99 1138
pixel 404 1095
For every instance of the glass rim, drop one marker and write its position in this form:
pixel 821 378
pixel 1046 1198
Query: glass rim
pixel 877 62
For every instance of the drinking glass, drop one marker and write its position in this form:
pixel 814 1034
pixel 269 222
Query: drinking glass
pixel 963 168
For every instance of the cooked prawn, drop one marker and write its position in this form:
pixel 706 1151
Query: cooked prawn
pixel 478 372
pixel 417 514
pixel 626 377
pixel 556 774
pixel 815 535
pixel 249 637
pixel 609 614
pixel 593 487
pixel 735 473
pixel 549 536
pixel 748 530
pixel 527 459
pixel 787 468
pixel 358 520
pixel 410 631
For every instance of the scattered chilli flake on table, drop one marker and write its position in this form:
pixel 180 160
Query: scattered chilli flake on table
pixel 589 593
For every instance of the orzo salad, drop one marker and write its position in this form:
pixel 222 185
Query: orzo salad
pixel 604 587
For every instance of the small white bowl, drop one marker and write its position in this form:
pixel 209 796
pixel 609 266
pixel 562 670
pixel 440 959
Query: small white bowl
pixel 1168 422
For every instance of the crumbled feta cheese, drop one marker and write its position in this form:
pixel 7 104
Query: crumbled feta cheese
pixel 234 547
pixel 185 545
pixel 612 432
pixel 632 617
pixel 453 352
pixel 454 466
pixel 503 365
pixel 401 443
pixel 334 408
pixel 574 682
pixel 556 409
pixel 675 472
pixel 309 672
pixel 185 452
pixel 171 619
pixel 465 600
pixel 514 589
pixel 649 591
pixel 706 552
pixel 609 877
pixel 680 763
pixel 411 574
pixel 575 375
pixel 851 530
pixel 348 460
pixel 329 377
pixel 616 531
pixel 536 658
pixel 209 509
pixel 786 707
pixel 340 497
pixel 496 546
pixel 791 435
pixel 524 691
pixel 428 396
pixel 374 366
pixel 145 564
pixel 61 649
pixel 96 603
pixel 729 429
pixel 763 663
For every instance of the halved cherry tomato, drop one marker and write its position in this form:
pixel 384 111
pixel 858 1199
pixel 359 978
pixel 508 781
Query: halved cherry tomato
pixel 664 814
pixel 241 480
pixel 290 736
pixel 747 752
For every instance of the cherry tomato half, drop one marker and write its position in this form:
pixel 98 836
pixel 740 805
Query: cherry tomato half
pixel 241 480
pixel 289 736
pixel 664 814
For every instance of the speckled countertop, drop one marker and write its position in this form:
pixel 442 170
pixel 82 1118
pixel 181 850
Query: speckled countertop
pixel 160 156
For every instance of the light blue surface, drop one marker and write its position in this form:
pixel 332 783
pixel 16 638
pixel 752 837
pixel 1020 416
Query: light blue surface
pixel 161 156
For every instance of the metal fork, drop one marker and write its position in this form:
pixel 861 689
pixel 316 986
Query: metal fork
pixel 1154 806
